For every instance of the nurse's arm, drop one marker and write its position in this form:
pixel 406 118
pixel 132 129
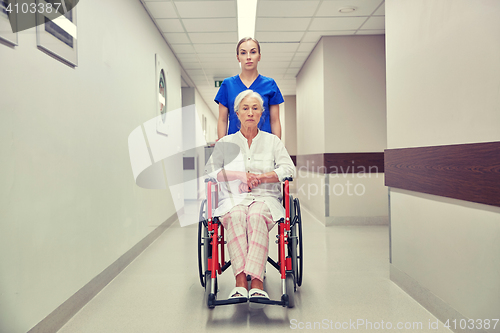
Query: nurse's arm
pixel 274 114
pixel 222 122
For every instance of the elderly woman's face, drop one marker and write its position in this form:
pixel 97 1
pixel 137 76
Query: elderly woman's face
pixel 249 112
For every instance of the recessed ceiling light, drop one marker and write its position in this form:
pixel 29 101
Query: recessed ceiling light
pixel 345 10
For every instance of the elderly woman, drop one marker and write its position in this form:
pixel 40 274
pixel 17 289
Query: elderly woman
pixel 249 165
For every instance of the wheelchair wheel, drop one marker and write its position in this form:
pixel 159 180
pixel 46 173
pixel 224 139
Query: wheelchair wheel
pixel 296 248
pixel 202 242
pixel 290 289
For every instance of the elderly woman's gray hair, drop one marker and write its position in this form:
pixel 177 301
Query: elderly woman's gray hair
pixel 247 93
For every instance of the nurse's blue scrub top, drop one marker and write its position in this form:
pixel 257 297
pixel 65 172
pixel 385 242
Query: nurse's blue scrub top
pixel 232 86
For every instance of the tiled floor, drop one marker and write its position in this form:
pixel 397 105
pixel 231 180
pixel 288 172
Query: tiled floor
pixel 346 284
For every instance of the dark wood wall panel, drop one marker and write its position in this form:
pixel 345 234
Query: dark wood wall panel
pixel 342 162
pixel 467 171
pixel 355 162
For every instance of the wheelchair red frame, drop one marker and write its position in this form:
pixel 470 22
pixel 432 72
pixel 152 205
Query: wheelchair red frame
pixel 290 249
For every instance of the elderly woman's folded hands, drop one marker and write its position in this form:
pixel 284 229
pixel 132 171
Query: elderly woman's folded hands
pixel 248 182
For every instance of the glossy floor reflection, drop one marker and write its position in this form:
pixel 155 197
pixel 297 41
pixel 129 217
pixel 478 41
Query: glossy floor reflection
pixel 346 284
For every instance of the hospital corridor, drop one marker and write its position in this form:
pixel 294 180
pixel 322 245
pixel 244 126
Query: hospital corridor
pixel 249 165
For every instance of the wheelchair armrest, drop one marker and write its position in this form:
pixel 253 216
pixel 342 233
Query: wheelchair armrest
pixel 290 179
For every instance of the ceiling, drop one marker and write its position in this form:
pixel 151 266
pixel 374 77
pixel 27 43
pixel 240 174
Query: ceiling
pixel 203 35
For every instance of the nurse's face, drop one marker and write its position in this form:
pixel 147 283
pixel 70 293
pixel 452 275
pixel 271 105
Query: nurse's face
pixel 249 112
pixel 248 55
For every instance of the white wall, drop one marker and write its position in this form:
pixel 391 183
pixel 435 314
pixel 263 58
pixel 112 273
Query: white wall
pixel 202 109
pixel 355 121
pixel 69 206
pixel 443 72
pixel 355 104
pixel 310 104
pixel 443 87
pixel 341 108
pixel 357 198
pixel 290 124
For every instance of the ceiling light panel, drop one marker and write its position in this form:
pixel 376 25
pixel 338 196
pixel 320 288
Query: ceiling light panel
pixel 161 9
pixel 296 63
pixel 199 80
pixel 273 64
pixel 273 36
pixel 177 37
pixel 170 25
pixel 337 23
pixel 286 9
pixel 207 57
pixel 380 10
pixel 195 72
pixel 375 22
pixel 202 49
pixel 188 57
pixel 220 64
pixel 300 56
pixel 282 56
pixel 292 70
pixel 214 37
pixel 183 48
pixel 314 36
pixel 306 47
pixel 363 7
pixel 191 65
pixel 196 9
pixel 219 72
pixel 278 47
pixel 205 25
pixel 281 24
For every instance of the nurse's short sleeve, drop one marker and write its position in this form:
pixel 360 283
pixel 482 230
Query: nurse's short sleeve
pixel 221 97
pixel 277 98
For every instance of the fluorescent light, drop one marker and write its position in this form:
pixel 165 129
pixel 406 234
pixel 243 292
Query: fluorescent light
pixel 247 11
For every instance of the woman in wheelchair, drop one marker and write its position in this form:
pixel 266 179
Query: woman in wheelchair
pixel 249 165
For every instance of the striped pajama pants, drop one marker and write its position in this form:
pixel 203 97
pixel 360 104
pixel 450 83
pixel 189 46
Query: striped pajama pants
pixel 247 237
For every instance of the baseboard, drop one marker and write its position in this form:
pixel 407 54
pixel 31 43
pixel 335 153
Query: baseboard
pixel 435 305
pixel 356 220
pixel 311 215
pixel 60 316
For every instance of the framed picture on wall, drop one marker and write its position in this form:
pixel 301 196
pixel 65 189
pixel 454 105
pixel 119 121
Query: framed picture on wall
pixel 8 19
pixel 57 35
pixel 161 100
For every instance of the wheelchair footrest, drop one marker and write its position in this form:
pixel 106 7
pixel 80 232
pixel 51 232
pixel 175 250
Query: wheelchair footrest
pixel 230 301
pixel 266 301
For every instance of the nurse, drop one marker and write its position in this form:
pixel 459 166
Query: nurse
pixel 248 55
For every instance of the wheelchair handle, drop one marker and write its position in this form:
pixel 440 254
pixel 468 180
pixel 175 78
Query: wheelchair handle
pixel 210 179
pixel 290 179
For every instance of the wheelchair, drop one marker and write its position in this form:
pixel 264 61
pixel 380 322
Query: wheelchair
pixel 211 249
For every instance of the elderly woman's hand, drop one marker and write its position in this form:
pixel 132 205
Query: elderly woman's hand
pixel 244 188
pixel 252 180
